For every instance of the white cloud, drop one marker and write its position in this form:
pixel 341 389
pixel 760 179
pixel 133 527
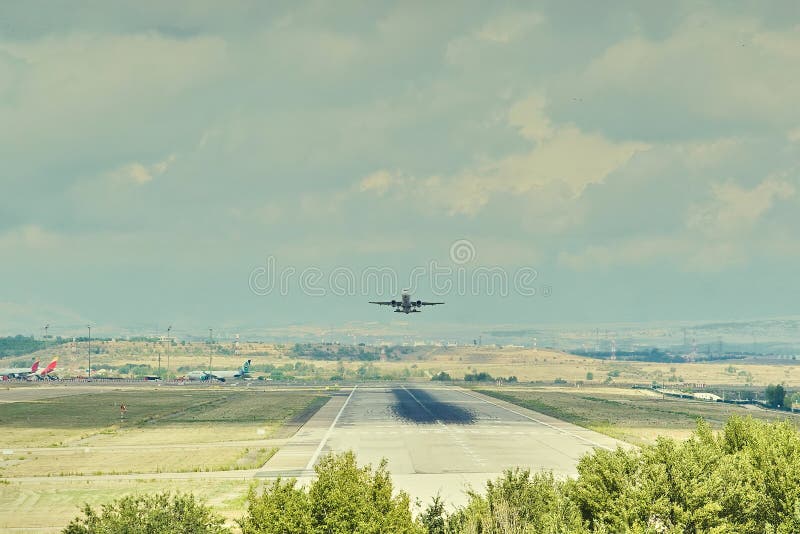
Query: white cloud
pixel 713 65
pixel 717 234
pixel 76 92
pixel 140 174
pixel 377 182
pixel 734 209
pixel 562 162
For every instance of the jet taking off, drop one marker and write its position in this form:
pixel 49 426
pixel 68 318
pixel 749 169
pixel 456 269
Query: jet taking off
pixel 406 305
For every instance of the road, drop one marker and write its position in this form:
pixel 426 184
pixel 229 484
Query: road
pixel 435 439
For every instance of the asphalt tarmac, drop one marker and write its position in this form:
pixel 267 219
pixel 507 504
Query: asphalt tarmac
pixel 436 439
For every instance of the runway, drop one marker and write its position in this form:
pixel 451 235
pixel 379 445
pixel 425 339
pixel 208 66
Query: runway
pixel 436 439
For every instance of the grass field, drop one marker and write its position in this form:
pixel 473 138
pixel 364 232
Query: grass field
pixel 84 434
pixel 635 416
pixel 56 452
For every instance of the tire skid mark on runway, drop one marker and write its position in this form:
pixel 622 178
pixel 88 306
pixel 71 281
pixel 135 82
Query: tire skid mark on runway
pixel 454 436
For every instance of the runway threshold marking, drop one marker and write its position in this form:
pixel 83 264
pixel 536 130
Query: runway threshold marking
pixel 526 416
pixel 327 435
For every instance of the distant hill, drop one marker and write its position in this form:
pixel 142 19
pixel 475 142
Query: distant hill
pixel 19 345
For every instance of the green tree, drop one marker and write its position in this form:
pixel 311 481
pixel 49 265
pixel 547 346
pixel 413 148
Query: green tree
pixel 161 513
pixel 746 479
pixel 282 508
pixel 344 498
pixel 776 396
pixel 519 502
pixel 589 375
pixel 434 519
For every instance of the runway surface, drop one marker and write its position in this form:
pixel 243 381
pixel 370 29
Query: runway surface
pixel 436 439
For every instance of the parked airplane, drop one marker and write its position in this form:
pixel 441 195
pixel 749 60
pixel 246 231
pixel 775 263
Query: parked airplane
pixel 18 372
pixel 45 373
pixel 242 372
pixel 406 305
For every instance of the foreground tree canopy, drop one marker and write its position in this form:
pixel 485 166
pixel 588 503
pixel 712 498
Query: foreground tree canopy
pixel 745 479
pixel 162 513
pixel 343 498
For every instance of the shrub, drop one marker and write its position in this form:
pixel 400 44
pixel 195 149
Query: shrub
pixel 161 513
pixel 343 498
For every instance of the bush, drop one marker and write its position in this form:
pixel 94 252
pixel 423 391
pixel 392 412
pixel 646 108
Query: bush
pixel 161 513
pixel 478 377
pixel 441 376
pixel 343 498
pixel 744 480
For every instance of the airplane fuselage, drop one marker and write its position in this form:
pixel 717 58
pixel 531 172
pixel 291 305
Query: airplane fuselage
pixel 405 304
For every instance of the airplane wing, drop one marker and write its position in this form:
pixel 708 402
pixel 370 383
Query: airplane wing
pixel 386 303
pixel 423 303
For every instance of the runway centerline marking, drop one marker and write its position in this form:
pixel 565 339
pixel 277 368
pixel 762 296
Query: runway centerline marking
pixel 567 432
pixel 327 435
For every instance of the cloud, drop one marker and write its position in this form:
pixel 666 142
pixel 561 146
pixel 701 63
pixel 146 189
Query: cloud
pixel 81 94
pixel 734 209
pixel 725 230
pixel 714 65
pixel 637 251
pixel 377 182
pixel 140 174
pixel 507 27
pixel 563 161
pixel 28 237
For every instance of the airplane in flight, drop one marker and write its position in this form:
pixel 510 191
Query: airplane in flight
pixel 242 372
pixel 19 372
pixel 406 305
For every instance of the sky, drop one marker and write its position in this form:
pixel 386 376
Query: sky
pixel 568 162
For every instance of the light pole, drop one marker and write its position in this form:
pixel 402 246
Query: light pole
pixel 169 345
pixel 90 350
pixel 210 347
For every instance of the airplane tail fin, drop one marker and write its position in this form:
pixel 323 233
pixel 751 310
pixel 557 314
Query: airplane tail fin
pixel 35 366
pixel 50 366
pixel 246 367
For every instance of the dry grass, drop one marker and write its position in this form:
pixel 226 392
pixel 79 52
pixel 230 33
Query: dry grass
pixel 86 461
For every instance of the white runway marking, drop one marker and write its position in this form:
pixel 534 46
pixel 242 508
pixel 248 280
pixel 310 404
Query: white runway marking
pixel 327 436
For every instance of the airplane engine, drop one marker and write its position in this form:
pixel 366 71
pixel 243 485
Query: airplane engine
pixel 394 303
pixel 418 303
